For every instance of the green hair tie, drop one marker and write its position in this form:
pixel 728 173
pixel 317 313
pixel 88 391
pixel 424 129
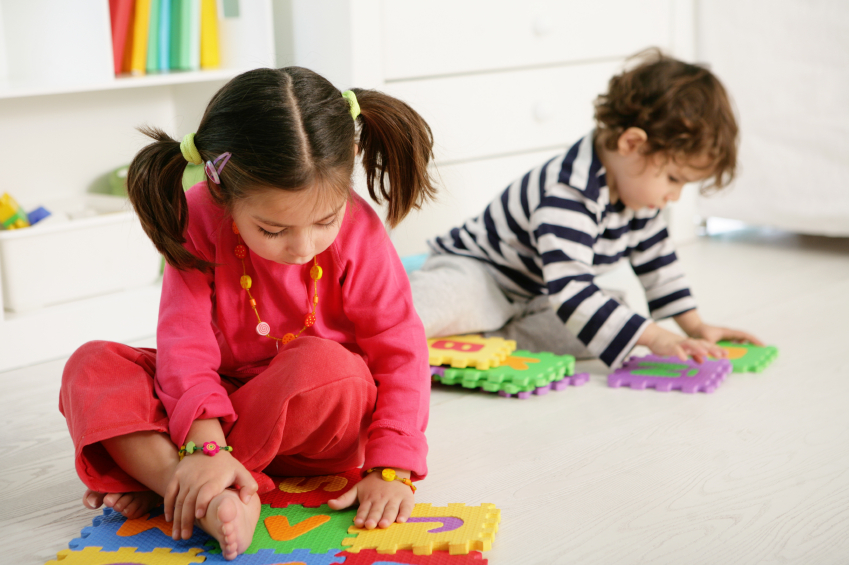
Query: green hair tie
pixel 190 152
pixel 352 102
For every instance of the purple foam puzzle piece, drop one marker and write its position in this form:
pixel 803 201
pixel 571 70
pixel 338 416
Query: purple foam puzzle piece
pixel 670 373
pixel 575 380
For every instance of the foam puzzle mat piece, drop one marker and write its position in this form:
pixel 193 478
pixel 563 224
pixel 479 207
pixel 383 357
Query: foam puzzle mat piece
pixel 270 557
pixel 521 371
pixel 562 384
pixel 310 492
pixel 670 373
pixel 295 527
pixel 112 531
pixel 748 358
pixel 403 557
pixel 469 351
pixel 126 556
pixel 456 528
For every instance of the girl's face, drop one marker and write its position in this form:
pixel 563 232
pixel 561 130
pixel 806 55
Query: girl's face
pixel 652 181
pixel 289 227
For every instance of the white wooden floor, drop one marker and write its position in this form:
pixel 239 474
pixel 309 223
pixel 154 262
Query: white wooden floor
pixel 757 472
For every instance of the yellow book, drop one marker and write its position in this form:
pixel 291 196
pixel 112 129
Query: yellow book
pixel 141 25
pixel 210 57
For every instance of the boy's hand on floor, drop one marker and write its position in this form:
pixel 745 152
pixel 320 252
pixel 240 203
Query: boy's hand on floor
pixel 197 480
pixel 668 344
pixel 381 502
pixel 716 333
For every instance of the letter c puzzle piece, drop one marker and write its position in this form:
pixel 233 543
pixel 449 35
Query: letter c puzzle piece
pixel 469 351
pixel 457 529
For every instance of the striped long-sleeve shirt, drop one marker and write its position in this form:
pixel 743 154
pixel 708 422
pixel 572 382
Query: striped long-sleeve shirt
pixel 554 229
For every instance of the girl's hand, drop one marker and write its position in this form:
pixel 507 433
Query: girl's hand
pixel 197 480
pixel 665 343
pixel 715 333
pixel 381 502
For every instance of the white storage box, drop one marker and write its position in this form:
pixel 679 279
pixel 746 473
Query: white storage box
pixel 98 248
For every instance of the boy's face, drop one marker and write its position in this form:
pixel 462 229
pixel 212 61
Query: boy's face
pixel 653 181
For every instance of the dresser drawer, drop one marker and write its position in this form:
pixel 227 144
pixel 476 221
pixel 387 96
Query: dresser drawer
pixel 441 37
pixel 499 113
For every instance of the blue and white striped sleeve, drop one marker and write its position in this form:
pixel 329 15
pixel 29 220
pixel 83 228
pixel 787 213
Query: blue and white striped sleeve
pixel 565 231
pixel 654 261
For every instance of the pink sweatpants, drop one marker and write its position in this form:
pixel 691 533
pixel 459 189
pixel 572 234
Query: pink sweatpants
pixel 306 414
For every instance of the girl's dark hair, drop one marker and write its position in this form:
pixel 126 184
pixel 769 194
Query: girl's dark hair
pixel 287 129
pixel 683 109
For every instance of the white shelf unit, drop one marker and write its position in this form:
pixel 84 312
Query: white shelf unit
pixel 502 86
pixel 66 122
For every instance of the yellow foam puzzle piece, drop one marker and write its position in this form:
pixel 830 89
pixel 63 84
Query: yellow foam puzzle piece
pixel 159 556
pixel 463 351
pixel 456 528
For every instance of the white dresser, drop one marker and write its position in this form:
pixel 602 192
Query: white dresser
pixel 504 84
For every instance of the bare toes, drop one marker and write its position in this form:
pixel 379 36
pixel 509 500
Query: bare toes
pixel 92 499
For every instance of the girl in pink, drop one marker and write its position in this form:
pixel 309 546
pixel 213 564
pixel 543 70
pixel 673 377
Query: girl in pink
pixel 287 341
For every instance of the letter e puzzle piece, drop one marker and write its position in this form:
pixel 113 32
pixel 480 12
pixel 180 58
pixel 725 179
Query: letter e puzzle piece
pixel 310 492
pixel 746 357
pixel 457 529
pixel 112 531
pixel 668 373
pixel 372 557
pixel 469 351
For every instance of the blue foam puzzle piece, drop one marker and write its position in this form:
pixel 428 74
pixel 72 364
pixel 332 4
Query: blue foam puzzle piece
pixel 104 533
pixel 270 557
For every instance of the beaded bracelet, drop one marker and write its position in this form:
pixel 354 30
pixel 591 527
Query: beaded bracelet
pixel 389 475
pixel 209 448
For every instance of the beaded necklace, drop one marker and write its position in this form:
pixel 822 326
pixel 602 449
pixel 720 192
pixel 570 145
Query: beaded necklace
pixel 263 328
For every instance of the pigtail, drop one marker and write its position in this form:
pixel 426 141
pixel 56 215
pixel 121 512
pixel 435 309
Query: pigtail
pixel 396 145
pixel 155 188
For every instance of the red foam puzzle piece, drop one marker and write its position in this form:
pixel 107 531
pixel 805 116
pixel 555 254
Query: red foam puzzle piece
pixel 310 492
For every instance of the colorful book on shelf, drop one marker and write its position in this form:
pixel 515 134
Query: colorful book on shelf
pixel 164 59
pixel 194 35
pixel 210 57
pixel 121 17
pixel 152 60
pixel 141 28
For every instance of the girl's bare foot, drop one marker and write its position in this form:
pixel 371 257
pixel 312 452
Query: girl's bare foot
pixel 130 504
pixel 231 522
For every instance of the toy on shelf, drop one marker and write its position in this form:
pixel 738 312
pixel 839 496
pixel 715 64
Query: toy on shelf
pixel 469 351
pixel 748 358
pixel 522 373
pixel 296 527
pixel 670 373
pixel 12 215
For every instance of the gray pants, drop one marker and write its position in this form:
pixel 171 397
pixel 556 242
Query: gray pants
pixel 457 295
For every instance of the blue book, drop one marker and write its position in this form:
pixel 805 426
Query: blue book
pixel 165 35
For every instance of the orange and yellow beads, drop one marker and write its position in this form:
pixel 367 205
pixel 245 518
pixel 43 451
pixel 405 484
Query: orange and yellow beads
pixel 245 281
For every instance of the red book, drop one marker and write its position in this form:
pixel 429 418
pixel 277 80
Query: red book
pixel 121 16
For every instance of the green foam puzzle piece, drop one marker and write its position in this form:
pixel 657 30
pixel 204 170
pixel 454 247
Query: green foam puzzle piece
pixel 522 371
pixel 320 535
pixel 754 359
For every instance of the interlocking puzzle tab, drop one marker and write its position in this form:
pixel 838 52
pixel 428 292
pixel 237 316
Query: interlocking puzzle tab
pixel 746 357
pixel 469 351
pixel 456 528
pixel 521 373
pixel 112 531
pixel 670 373
pixel 126 556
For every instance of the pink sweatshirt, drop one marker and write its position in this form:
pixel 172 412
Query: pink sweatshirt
pixel 207 328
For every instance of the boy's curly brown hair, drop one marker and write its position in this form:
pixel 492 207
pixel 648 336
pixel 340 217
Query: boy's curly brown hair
pixel 683 108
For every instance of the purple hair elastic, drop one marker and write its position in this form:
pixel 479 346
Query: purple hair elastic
pixel 209 168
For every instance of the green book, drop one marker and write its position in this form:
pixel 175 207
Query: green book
pixel 152 62
pixel 176 33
